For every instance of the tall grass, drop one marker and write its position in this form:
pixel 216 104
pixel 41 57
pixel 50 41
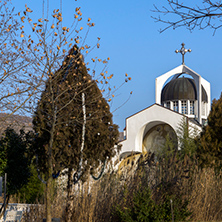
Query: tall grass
pixel 96 201
pixel 206 196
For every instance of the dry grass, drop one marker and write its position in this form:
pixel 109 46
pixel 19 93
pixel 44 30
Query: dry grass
pixel 36 213
pixel 95 201
pixel 206 196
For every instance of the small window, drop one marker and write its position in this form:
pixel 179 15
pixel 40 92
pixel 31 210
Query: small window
pixel 175 106
pixel 184 107
pixel 191 107
pixel 168 105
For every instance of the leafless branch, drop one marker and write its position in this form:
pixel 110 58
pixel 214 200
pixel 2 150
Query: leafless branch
pixel 176 14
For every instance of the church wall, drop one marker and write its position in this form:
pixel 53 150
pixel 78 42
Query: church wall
pixel 206 86
pixel 194 130
pixel 140 123
pixel 136 125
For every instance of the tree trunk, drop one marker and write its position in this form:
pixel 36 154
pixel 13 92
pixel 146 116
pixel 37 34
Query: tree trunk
pixel 49 199
pixel 70 197
pixel 70 183
pixel 49 185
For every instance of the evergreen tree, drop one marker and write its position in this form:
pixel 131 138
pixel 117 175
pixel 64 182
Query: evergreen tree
pixel 210 149
pixel 32 191
pixel 59 122
pixel 186 139
pixel 15 159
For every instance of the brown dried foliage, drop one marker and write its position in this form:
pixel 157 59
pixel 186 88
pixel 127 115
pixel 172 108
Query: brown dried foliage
pixel 95 201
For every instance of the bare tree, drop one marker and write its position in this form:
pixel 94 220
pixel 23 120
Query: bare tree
pixel 17 81
pixel 176 14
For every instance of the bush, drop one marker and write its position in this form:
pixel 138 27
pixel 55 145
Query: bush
pixel 33 191
pixel 144 208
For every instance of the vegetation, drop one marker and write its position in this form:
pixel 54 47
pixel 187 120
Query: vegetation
pixel 210 148
pixel 14 159
pixel 196 196
pixel 74 131
pixel 187 139
pixel 62 100
pixel 33 191
pixel 144 208
pixel 43 70
pixel 72 122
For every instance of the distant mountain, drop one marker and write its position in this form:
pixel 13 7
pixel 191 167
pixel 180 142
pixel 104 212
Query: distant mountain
pixel 16 122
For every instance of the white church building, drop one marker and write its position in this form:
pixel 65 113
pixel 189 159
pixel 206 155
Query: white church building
pixel 179 93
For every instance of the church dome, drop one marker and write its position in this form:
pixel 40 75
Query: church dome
pixel 181 89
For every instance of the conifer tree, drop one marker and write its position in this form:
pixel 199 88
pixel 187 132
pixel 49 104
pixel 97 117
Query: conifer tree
pixel 62 127
pixel 210 150
pixel 187 139
pixel 14 160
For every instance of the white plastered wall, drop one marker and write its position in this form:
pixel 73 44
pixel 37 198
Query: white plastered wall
pixel 138 124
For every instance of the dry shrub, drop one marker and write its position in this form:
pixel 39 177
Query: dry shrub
pixel 206 196
pixel 84 202
pixel 36 212
pixel 95 201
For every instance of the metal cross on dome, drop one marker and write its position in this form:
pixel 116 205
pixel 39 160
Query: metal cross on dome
pixel 183 51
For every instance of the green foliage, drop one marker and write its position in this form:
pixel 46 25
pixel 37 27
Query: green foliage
pixel 3 159
pixel 168 149
pixel 210 149
pixel 33 191
pixel 14 159
pixel 144 208
pixel 186 139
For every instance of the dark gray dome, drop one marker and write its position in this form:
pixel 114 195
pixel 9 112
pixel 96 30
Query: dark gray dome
pixel 181 88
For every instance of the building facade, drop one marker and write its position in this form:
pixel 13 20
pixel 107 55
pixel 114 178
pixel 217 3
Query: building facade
pixel 180 94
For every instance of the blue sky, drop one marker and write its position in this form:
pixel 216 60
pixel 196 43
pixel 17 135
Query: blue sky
pixel 130 37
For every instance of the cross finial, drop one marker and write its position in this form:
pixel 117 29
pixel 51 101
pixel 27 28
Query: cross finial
pixel 183 52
